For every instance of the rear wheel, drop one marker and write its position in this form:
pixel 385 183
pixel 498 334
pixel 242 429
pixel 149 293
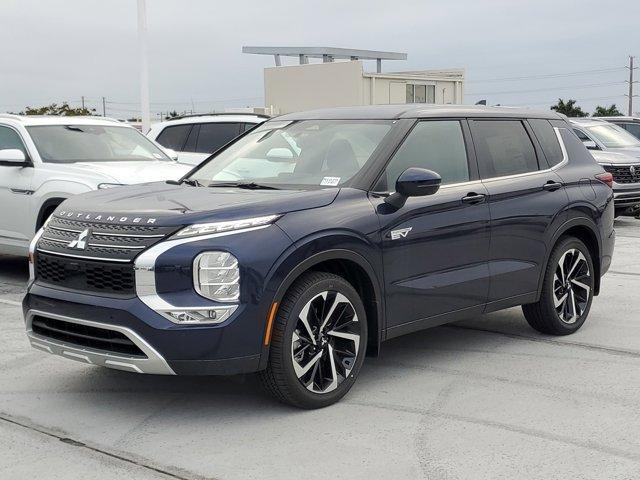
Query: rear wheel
pixel 318 342
pixel 567 291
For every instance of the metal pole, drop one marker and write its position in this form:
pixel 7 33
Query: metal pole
pixel 378 65
pixel 630 85
pixel 144 66
pixel 83 102
pixel 104 107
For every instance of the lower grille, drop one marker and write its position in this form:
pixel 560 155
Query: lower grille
pixel 86 275
pixel 624 173
pixel 85 336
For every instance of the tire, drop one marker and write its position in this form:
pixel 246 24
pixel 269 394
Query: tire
pixel 295 344
pixel 564 304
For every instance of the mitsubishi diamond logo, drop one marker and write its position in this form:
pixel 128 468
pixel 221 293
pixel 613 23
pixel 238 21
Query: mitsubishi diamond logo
pixel 634 171
pixel 80 242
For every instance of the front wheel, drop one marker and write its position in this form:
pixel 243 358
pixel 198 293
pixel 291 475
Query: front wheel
pixel 318 342
pixel 567 291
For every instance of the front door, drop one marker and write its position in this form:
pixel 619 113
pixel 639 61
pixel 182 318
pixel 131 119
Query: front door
pixel 435 248
pixel 15 195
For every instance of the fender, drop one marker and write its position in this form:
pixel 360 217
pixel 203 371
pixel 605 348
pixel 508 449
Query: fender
pixel 338 245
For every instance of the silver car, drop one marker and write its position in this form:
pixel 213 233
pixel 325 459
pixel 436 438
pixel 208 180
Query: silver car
pixel 619 153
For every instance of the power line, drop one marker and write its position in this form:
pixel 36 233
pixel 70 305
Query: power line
pixel 549 75
pixel 549 89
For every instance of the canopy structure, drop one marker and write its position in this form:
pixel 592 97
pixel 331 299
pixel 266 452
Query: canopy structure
pixel 327 54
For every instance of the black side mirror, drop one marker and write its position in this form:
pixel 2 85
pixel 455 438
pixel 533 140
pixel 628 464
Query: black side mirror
pixel 414 182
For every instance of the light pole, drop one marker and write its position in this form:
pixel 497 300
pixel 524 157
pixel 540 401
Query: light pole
pixel 144 66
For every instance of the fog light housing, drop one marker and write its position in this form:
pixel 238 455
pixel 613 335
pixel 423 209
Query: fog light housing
pixel 201 316
pixel 216 276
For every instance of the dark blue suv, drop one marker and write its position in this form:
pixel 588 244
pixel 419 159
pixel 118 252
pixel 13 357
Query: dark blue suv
pixel 301 246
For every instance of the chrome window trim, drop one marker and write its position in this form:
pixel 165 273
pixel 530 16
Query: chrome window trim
pixel 154 363
pixel 144 273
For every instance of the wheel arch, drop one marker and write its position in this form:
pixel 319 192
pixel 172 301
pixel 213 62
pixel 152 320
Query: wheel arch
pixel 359 272
pixel 47 208
pixel 586 231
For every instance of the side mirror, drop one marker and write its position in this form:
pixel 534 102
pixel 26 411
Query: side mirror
pixel 414 182
pixel 591 145
pixel 280 155
pixel 171 153
pixel 12 157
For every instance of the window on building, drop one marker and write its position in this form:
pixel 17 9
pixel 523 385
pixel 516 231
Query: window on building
pixel 421 93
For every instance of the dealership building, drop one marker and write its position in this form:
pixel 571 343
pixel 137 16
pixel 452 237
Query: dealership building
pixel 340 79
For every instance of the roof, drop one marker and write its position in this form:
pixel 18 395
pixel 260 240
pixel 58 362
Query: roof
pixel 619 117
pixel 216 118
pixel 390 112
pixel 587 121
pixel 320 52
pixel 31 120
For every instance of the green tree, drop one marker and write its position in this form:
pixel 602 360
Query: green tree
pixel 568 108
pixel 61 110
pixel 611 111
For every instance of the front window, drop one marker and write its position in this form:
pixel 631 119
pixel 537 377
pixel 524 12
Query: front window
pixel 93 143
pixel 307 153
pixel 612 136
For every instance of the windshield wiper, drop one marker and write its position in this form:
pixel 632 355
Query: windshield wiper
pixel 188 181
pixel 245 185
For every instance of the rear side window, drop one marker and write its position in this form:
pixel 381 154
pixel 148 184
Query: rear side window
pixel 214 135
pixel 632 128
pixel 9 139
pixel 174 137
pixel 548 140
pixel 436 145
pixel 503 148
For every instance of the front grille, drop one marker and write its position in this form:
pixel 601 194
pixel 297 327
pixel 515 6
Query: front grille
pixel 624 173
pixel 80 335
pixel 99 241
pixel 86 275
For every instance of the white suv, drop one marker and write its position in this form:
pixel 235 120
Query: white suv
pixel 45 160
pixel 195 137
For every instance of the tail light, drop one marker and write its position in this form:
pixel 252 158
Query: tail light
pixel 606 178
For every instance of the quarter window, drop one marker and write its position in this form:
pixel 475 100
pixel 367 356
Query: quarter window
pixel 581 135
pixel 503 147
pixel 9 139
pixel 546 135
pixel 435 145
pixel 174 137
pixel 632 128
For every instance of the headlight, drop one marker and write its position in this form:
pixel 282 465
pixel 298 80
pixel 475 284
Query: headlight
pixel 219 227
pixel 102 186
pixel 216 276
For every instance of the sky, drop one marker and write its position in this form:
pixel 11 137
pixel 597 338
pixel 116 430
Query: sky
pixel 525 53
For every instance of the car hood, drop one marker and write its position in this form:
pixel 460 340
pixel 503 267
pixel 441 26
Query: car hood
pixel 631 151
pixel 182 204
pixel 128 173
pixel 614 157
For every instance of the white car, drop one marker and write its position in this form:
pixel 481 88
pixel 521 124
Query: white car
pixel 195 137
pixel 45 160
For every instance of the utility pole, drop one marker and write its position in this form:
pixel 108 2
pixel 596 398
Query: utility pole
pixel 631 82
pixel 83 102
pixel 104 107
pixel 144 66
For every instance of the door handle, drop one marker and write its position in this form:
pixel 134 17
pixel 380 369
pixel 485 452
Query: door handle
pixel 472 198
pixel 552 186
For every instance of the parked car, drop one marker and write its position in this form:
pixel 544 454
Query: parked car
pixel 195 137
pixel 619 153
pixel 341 228
pixel 45 160
pixel 630 124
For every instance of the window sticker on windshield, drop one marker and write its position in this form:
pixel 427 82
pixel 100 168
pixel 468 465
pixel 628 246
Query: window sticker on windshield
pixel 330 181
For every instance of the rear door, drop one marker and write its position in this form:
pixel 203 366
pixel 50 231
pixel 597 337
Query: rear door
pixel 435 248
pixel 526 196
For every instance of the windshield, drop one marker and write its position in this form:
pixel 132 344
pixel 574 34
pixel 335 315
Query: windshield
pixel 93 143
pixel 613 136
pixel 321 153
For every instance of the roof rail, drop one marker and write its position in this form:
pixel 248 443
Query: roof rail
pixel 91 117
pixel 216 114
